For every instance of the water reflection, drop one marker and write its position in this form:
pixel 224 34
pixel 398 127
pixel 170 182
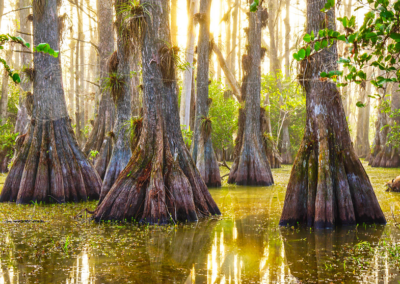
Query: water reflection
pixel 244 246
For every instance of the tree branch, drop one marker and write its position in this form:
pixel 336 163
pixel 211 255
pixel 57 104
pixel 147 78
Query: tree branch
pixel 231 79
pixel 95 46
pixel 92 83
pixel 16 10
pixel 81 8
pixel 24 33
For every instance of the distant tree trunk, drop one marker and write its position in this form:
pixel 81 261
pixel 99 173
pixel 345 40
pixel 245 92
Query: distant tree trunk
pixel 219 78
pixel 122 98
pixel 161 181
pixel 234 36
pixel 251 166
pixel 328 185
pixel 359 145
pixel 365 139
pixel 202 149
pixel 4 87
pixel 78 125
pixel 71 79
pixel 26 85
pixel 1 10
pixel 99 139
pixel 174 22
pixel 50 165
pixel 287 39
pixel 188 73
pixel 394 159
pixel 275 68
pixel 82 91
pixel 228 37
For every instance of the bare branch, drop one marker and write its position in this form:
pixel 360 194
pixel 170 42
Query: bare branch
pixel 95 46
pixel 16 10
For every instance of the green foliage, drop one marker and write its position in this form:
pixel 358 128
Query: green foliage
pixel 7 138
pixel 254 6
pixel 93 154
pixel 375 43
pixel 187 135
pixel 393 136
pixel 225 112
pixel 289 99
pixel 6 38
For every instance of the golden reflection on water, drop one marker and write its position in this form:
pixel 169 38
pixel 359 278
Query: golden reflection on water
pixel 245 245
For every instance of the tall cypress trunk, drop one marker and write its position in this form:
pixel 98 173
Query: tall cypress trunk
pixel 161 181
pixel 188 73
pixel 228 38
pixel 359 145
pixel 202 149
pixel 234 36
pixel 71 79
pixel 251 166
pixel 122 98
pixel 50 165
pixel 78 125
pixel 99 140
pixel 328 185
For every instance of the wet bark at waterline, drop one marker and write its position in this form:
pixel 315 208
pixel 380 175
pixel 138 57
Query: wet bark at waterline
pixel 161 181
pixel 50 167
pixel 328 185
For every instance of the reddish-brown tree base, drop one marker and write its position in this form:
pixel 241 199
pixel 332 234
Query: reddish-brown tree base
pixel 50 167
pixel 207 164
pixel 157 187
pixel 388 157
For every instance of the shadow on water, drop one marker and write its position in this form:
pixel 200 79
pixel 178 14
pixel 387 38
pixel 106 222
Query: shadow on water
pixel 245 245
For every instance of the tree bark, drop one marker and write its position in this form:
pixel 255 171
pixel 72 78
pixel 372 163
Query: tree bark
pixel 188 73
pixel 50 165
pixel 328 185
pixel 161 181
pixel 99 140
pixel 202 150
pixel 234 36
pixel 228 37
pixel 122 97
pixel 359 145
pixel 251 166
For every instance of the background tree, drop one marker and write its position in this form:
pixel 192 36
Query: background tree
pixel 251 166
pixel 202 148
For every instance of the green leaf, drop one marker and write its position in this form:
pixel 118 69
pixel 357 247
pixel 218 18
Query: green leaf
pixel 296 56
pixel 395 37
pixel 308 51
pixel 254 6
pixel 302 54
pixel 323 75
pixel 360 104
pixel 317 46
pixel 351 38
pixel 307 38
pixel 16 78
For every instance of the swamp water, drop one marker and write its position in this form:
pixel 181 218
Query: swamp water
pixel 244 245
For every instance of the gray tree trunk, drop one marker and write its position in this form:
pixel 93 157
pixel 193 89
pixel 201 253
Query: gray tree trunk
pixel 50 165
pixel 188 73
pixel 4 87
pixel 251 166
pixel 202 150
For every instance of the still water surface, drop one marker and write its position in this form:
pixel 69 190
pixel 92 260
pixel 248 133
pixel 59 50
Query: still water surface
pixel 245 245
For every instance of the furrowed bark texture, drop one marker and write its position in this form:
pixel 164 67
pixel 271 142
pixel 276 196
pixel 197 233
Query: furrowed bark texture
pixel 202 149
pixel 99 140
pixel 251 166
pixel 49 166
pixel 328 185
pixel 160 181
pixel 122 149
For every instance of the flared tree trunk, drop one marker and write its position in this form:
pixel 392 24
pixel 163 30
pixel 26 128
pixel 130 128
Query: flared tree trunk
pixel 251 166
pixel 50 166
pixel 202 149
pixel 161 181
pixel 328 185
pixel 122 96
pixel 99 139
